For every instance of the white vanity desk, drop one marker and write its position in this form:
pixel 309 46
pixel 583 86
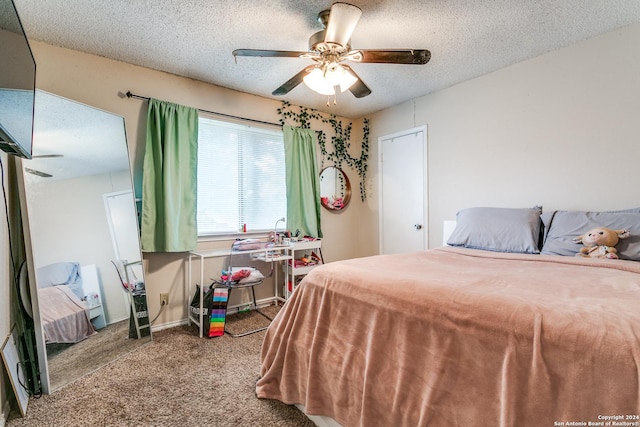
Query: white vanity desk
pixel 266 254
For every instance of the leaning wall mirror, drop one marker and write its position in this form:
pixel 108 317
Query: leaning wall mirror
pixel 335 189
pixel 85 265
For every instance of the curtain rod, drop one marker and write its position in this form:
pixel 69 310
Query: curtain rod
pixel 146 98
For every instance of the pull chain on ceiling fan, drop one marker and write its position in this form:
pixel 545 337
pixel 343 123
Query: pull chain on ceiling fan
pixel 329 48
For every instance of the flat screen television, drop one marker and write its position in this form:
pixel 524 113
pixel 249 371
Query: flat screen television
pixel 17 84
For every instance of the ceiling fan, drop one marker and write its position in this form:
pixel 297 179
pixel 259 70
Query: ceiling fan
pixel 40 173
pixel 329 48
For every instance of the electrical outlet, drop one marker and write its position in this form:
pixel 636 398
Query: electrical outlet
pixel 164 299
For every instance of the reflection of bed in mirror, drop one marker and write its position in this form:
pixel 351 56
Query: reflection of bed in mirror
pixel 75 189
pixel 74 302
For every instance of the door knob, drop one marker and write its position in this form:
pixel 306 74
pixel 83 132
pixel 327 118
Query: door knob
pixel 418 226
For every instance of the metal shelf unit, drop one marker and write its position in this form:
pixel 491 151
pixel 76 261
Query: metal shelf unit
pixel 296 250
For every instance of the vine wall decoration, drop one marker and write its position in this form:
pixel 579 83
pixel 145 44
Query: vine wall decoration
pixel 341 139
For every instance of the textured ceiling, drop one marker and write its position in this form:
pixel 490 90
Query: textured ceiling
pixel 71 140
pixel 195 38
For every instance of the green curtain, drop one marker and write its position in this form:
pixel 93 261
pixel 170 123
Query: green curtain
pixel 169 178
pixel 303 182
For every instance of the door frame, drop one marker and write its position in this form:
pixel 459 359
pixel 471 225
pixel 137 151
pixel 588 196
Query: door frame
pixel 117 250
pixel 425 212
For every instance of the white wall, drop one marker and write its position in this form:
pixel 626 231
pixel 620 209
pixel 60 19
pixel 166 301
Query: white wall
pixel 559 130
pixel 69 224
pixel 102 83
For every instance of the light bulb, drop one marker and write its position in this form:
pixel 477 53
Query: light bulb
pixel 315 80
pixel 348 79
pixel 337 75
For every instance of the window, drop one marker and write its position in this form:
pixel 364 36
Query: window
pixel 241 177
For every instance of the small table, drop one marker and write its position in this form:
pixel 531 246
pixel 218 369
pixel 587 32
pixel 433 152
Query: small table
pixel 266 254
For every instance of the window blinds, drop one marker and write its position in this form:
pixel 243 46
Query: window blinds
pixel 241 177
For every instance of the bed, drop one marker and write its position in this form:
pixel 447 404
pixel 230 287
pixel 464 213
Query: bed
pixel 69 296
pixel 495 331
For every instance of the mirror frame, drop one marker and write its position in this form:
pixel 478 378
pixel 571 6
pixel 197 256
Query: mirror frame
pixel 347 192
pixel 23 190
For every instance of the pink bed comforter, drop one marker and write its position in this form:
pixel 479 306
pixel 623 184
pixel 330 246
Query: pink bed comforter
pixel 65 319
pixel 459 337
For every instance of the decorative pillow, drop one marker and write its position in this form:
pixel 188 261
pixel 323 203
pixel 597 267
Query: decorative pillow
pixel 498 229
pixel 61 274
pixel 562 226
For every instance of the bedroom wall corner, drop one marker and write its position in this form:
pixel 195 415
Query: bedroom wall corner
pixel 527 134
pixel 342 229
pixel 5 292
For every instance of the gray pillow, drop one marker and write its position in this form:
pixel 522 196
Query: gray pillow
pixel 498 229
pixel 562 226
pixel 61 274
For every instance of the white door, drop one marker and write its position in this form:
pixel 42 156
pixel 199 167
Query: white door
pixel 121 216
pixel 402 160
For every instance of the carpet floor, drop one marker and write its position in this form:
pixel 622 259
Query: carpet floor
pixel 68 362
pixel 179 379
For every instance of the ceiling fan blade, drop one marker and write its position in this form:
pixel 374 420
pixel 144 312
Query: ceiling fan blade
pixel 343 19
pixel 268 53
pixel 47 156
pixel 405 56
pixel 38 173
pixel 359 89
pixel 292 82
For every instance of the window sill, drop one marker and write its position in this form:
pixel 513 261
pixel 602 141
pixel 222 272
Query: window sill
pixel 233 236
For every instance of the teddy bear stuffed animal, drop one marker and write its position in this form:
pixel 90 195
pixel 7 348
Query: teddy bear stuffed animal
pixel 599 242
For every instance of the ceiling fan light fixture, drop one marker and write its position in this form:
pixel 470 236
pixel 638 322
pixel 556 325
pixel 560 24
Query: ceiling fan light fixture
pixel 324 80
pixel 347 80
pixel 315 80
pixel 336 75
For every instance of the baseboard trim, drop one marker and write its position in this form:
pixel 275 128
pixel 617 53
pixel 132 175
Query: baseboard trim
pixel 168 325
pixel 112 321
pixel 265 302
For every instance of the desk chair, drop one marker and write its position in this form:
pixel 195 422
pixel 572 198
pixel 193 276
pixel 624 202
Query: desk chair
pixel 233 280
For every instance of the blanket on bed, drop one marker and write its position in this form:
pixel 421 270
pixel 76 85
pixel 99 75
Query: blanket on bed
pixel 459 337
pixel 65 319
